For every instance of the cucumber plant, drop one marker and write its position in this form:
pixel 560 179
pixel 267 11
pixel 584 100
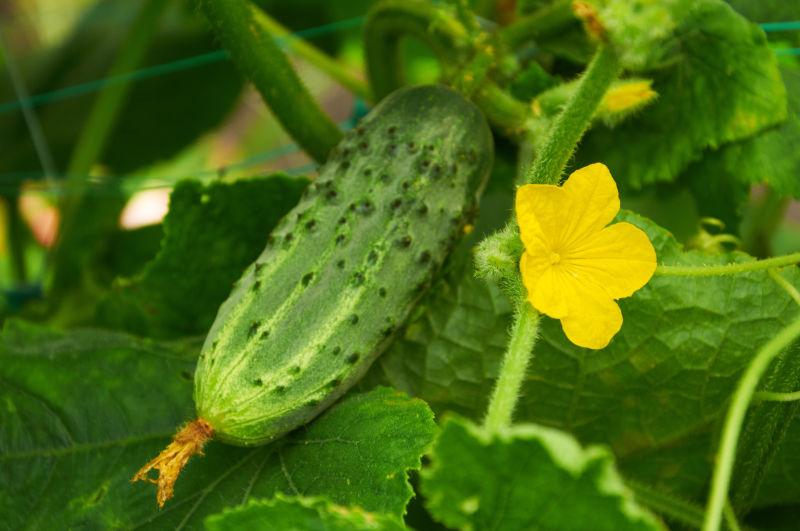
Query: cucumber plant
pixel 598 359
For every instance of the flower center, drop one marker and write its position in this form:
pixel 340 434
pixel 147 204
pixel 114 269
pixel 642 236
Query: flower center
pixel 554 258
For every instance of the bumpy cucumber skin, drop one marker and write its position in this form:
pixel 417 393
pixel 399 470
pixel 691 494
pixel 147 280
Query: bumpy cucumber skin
pixel 343 270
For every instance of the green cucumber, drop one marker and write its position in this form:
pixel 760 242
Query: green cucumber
pixel 340 274
pixel 343 270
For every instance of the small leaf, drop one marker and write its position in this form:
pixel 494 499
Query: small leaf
pixel 211 234
pixel 299 514
pixel 526 477
pixel 80 412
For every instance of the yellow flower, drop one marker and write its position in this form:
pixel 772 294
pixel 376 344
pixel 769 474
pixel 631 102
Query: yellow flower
pixel 574 267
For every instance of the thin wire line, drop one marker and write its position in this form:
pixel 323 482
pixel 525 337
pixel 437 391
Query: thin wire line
pixel 786 51
pixel 155 183
pixel 165 68
pixel 781 25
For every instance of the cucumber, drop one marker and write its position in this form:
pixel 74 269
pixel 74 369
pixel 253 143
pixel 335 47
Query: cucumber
pixel 344 268
pixel 339 275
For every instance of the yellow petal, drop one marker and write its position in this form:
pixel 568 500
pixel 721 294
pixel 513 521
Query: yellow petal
pixel 593 322
pixel 554 294
pixel 594 199
pixel 540 212
pixel 532 266
pixel 619 258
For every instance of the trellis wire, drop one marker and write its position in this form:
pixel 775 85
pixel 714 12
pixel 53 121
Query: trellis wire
pixel 212 57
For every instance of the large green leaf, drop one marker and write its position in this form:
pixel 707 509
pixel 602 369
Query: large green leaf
pixel 81 412
pixel 211 234
pixel 720 84
pixel 526 477
pixel 653 395
pixel 299 514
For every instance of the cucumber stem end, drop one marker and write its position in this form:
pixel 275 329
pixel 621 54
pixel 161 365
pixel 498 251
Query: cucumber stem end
pixel 189 441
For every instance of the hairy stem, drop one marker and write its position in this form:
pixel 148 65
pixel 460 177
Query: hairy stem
pixel 734 420
pixel 254 50
pixel 512 371
pixel 728 269
pixel 573 121
pixel 543 23
pixel 313 55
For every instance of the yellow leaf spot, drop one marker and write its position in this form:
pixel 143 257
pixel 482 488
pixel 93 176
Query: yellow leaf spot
pixel 468 228
pixel 575 265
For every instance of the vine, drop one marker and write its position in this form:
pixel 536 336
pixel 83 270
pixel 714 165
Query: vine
pixel 255 51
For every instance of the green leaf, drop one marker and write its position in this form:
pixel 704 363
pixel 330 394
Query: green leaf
pixel 653 395
pixel 211 234
pixel 524 478
pixel 721 84
pixel 81 412
pixel 450 351
pixel 771 157
pixel 299 514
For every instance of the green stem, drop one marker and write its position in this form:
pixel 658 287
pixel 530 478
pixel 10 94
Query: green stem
pixel 734 419
pixel 728 269
pixel 389 21
pixel 512 371
pixel 573 121
pixel 75 202
pixel 258 56
pixel 785 284
pixel 730 517
pixel 314 55
pixel 541 24
pixel 771 396
pixel 504 110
